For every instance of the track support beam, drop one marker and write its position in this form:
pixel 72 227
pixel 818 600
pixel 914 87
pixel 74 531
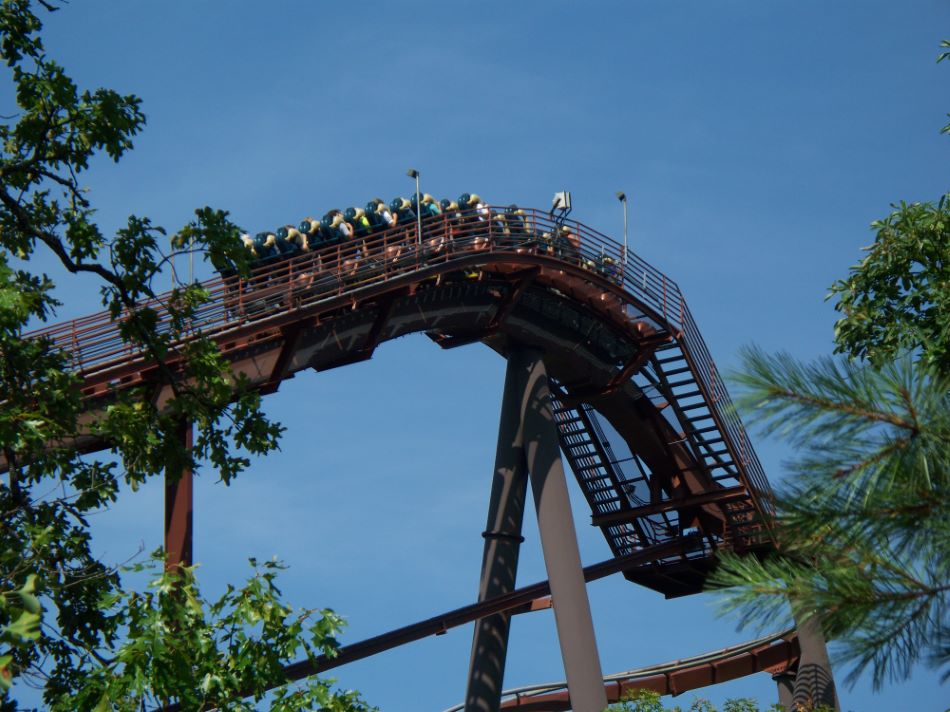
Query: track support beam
pixel 502 542
pixel 814 684
pixel 179 502
pixel 528 442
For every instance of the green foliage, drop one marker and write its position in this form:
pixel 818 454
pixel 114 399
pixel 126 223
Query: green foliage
pixel 96 641
pixel 23 611
pixel 863 521
pixel 650 701
pixel 897 298
pixel 177 647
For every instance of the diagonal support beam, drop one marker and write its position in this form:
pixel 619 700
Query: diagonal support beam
pixel 523 279
pixel 503 539
pixel 648 346
pixel 516 600
pixel 575 627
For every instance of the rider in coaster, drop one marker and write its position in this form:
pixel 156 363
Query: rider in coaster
pixel 435 240
pixel 381 219
pixel 568 244
pixel 481 212
pixel 450 209
pixel 312 232
pixel 249 246
pixel 331 227
pixel 289 240
pixel 500 229
pixel 402 211
pixel 468 224
pixel 430 208
pixel 404 216
pixel 345 232
pixel 356 218
pixel 379 214
pixel 265 245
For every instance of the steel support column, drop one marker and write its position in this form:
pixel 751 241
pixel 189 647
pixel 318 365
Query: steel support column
pixel 785 682
pixel 178 508
pixel 814 683
pixel 575 628
pixel 502 541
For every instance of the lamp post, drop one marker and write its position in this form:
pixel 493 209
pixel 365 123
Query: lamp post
pixel 622 197
pixel 413 173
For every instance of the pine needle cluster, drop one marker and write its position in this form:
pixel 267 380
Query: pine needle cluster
pixel 862 520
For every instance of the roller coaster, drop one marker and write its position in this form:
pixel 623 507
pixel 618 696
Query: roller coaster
pixel 617 349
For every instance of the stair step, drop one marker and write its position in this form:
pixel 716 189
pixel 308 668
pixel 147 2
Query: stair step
pixel 712 441
pixel 586 441
pixel 598 490
pixel 693 406
pixel 677 371
pixel 686 382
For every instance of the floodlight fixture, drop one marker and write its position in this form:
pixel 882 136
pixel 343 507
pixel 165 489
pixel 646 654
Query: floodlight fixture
pixel 562 201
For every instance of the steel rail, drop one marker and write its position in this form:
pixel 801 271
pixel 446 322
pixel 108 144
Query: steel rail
pixel 670 667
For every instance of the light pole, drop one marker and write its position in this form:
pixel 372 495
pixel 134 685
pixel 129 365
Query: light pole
pixel 413 173
pixel 622 197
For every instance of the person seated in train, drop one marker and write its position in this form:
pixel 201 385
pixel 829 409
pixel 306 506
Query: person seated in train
pixel 378 214
pixel 450 209
pixel 310 229
pixel 433 232
pixel 353 251
pixel 500 230
pixel 290 240
pixel 430 208
pixel 472 204
pixel 607 268
pixel 402 211
pixel 315 237
pixel 546 243
pixel 265 245
pixel 334 227
pixel 517 222
pixel 567 244
pixel 474 215
pixel 249 246
pixel 357 219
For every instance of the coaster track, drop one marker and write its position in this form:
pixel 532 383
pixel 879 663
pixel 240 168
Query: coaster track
pixel 619 340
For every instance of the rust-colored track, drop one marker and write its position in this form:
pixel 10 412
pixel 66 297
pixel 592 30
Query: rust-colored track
pixel 773 654
pixel 619 343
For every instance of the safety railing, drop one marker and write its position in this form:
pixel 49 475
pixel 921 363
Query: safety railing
pixel 288 283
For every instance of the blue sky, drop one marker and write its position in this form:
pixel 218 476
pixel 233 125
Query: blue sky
pixel 756 140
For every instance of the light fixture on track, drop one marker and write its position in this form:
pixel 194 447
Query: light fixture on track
pixel 561 207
